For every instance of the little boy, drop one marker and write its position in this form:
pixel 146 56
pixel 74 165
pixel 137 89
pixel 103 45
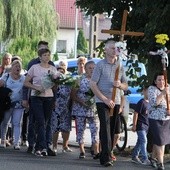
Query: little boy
pixel 140 125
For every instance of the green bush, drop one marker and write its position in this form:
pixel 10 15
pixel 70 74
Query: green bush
pixel 25 48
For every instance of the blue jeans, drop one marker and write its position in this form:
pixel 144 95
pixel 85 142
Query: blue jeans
pixel 141 145
pixel 41 108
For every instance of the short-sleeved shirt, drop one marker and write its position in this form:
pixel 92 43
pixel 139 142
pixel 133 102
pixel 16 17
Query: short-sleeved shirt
pixel 15 85
pixel 36 72
pixel 157 112
pixel 37 61
pixel 142 110
pixel 104 75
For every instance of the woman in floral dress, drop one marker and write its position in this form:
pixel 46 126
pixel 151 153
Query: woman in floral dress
pixel 84 110
pixel 61 116
pixel 159 119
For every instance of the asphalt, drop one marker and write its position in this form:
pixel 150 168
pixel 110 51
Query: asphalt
pixel 72 139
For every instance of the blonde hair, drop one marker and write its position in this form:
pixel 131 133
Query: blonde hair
pixel 63 63
pixel 82 59
pixel 16 62
pixel 6 55
pixel 16 58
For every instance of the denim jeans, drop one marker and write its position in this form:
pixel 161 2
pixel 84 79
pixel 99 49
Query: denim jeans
pixel 41 108
pixel 15 116
pixel 141 145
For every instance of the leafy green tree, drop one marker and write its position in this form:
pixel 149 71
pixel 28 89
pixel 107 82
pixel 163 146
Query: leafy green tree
pixel 25 47
pixel 149 17
pixel 81 43
pixel 24 23
pixel 27 18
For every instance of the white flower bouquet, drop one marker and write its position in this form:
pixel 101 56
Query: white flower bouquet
pixel 50 80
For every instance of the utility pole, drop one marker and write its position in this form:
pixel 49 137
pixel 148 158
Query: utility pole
pixel 75 35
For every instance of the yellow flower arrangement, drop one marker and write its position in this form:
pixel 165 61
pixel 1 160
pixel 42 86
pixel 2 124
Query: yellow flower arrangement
pixel 161 39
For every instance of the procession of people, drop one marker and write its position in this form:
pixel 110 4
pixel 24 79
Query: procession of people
pixel 97 98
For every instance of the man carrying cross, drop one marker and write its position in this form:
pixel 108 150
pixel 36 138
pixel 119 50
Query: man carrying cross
pixel 107 81
pixel 102 84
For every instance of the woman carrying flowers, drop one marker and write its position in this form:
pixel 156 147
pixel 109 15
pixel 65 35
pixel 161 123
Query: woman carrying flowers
pixel 41 103
pixel 84 110
pixel 61 116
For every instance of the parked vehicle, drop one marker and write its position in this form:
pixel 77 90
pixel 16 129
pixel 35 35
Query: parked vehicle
pixel 133 97
pixel 72 63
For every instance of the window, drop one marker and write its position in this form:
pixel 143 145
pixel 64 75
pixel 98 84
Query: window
pixel 61 46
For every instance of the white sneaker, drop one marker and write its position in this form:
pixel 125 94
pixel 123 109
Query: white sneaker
pixel 3 145
pixel 44 152
pixel 136 160
pixel 55 150
pixel 146 162
pixel 38 153
pixel 67 150
pixel 16 147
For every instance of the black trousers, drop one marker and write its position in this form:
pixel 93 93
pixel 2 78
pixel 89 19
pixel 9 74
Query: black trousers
pixel 105 136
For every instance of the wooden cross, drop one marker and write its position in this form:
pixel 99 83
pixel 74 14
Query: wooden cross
pixel 123 31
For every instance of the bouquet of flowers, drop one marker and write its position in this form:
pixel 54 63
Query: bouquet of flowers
pixel 90 99
pixel 49 80
pixel 68 80
pixel 161 40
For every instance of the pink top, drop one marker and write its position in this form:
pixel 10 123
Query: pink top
pixel 36 72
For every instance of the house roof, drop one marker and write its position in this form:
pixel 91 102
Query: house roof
pixel 66 10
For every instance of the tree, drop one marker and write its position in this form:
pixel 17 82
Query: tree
pixel 145 16
pixel 24 23
pixel 81 43
pixel 27 18
pixel 25 47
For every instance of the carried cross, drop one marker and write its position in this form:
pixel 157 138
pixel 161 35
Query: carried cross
pixel 123 31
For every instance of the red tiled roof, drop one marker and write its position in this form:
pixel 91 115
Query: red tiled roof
pixel 67 12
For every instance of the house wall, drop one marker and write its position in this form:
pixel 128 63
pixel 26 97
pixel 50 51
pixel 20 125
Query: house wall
pixel 69 36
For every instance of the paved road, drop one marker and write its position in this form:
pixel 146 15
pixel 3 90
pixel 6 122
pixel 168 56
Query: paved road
pixel 72 140
pixel 11 159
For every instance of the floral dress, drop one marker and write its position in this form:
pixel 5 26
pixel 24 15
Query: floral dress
pixel 61 116
pixel 85 114
pixel 82 93
pixel 156 112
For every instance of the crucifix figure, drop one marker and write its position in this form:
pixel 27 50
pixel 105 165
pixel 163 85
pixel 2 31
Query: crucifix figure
pixel 123 31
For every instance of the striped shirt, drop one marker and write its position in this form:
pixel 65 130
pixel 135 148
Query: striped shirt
pixel 103 75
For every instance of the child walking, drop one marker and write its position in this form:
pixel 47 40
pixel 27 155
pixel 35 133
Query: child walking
pixel 141 125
